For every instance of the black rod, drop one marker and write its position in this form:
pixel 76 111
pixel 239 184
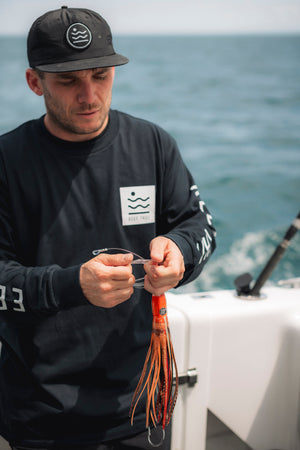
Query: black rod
pixel 277 255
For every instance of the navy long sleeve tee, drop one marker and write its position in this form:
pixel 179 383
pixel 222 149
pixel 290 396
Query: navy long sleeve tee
pixel 68 368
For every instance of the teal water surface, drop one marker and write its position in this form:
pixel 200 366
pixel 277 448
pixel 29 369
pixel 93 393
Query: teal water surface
pixel 233 105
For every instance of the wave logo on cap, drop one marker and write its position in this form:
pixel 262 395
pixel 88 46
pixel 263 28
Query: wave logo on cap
pixel 78 36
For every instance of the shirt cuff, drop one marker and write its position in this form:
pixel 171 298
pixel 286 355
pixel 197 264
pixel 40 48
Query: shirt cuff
pixel 183 246
pixel 67 289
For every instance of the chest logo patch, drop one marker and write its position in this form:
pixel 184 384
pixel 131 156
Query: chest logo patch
pixel 137 205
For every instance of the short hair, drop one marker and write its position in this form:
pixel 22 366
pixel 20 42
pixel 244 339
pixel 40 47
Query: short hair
pixel 40 73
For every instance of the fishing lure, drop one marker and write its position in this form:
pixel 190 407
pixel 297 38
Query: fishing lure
pixel 159 376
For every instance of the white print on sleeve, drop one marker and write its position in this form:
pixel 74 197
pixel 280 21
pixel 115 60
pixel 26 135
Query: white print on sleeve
pixel 18 301
pixel 205 246
pixel 208 216
pixel 194 189
pixel 137 205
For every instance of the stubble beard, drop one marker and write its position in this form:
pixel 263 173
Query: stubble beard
pixel 60 120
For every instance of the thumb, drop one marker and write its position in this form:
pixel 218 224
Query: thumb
pixel 119 259
pixel 157 249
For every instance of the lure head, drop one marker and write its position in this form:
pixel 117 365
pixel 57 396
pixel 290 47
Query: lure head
pixel 159 305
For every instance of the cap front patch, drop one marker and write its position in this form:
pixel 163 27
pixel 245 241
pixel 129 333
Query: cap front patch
pixel 78 36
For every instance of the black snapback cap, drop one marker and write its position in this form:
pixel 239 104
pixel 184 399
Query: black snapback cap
pixel 69 39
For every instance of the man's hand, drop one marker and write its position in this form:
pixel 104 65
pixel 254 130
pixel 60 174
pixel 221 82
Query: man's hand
pixel 166 268
pixel 107 280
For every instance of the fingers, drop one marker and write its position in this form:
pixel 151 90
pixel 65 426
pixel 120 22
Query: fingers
pixel 107 280
pixel 166 268
pixel 154 289
pixel 160 279
pixel 114 267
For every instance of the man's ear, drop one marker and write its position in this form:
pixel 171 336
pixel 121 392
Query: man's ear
pixel 34 82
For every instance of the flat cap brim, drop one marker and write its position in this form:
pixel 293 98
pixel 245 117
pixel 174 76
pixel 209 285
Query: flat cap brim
pixel 84 64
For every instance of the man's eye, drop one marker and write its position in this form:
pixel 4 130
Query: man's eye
pixel 67 82
pixel 101 75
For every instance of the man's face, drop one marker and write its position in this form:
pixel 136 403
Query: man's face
pixel 77 103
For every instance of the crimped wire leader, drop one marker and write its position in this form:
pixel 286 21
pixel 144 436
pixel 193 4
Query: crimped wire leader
pixel 139 282
pixel 139 260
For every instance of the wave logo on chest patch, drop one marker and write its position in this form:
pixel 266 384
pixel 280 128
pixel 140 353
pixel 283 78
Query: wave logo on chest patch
pixel 137 205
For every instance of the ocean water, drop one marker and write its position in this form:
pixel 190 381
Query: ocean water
pixel 233 105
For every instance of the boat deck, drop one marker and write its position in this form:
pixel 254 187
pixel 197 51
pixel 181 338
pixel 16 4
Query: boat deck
pixel 219 437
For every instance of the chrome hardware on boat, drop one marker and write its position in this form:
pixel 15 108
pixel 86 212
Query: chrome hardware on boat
pixel 190 377
pixel 293 283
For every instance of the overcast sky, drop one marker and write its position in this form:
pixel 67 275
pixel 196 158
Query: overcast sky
pixel 166 16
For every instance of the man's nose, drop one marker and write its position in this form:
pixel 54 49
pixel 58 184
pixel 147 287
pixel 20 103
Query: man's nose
pixel 86 92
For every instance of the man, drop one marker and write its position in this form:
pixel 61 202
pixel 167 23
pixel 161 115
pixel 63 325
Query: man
pixel 75 327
